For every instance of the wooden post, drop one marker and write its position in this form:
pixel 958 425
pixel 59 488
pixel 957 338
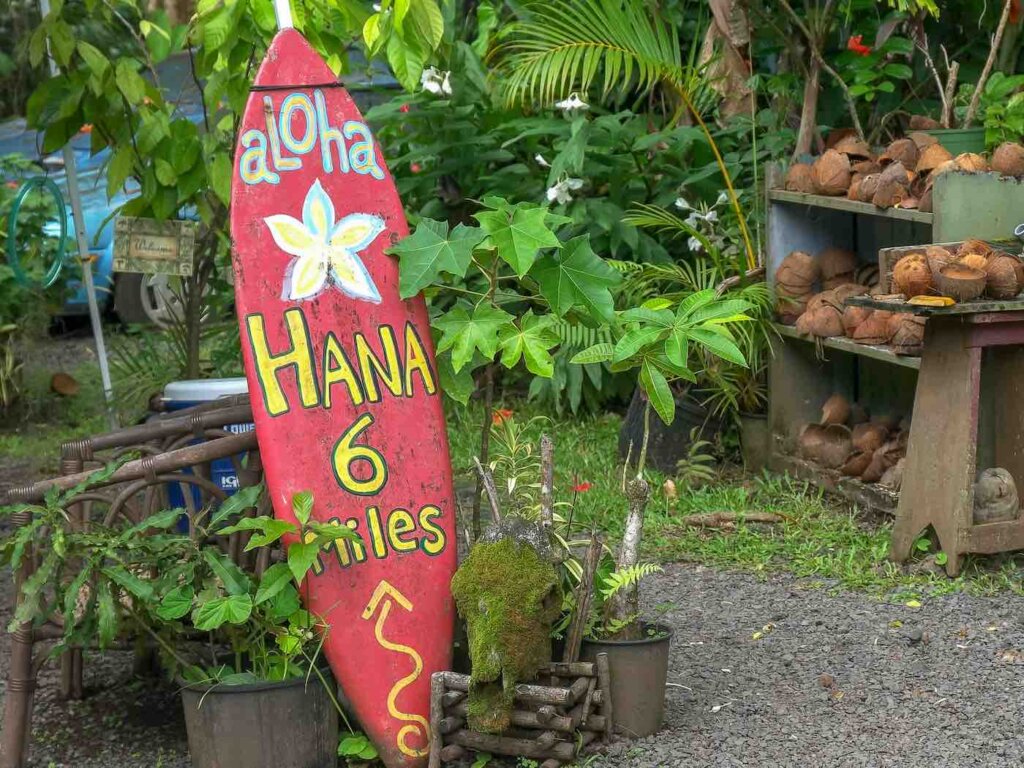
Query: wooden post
pixel 547 482
pixel 604 677
pixel 436 715
pixel 584 598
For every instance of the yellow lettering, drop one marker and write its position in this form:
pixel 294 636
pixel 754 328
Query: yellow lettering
pixel 400 522
pixel 434 542
pixel 376 535
pixel 349 549
pixel 416 361
pixel 373 370
pixel 338 368
pixel 297 356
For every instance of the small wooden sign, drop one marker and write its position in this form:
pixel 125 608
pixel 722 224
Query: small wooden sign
pixel 154 247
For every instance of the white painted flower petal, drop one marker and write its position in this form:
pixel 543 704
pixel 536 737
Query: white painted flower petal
pixel 350 275
pixel 290 234
pixel 318 212
pixel 356 231
pixel 308 275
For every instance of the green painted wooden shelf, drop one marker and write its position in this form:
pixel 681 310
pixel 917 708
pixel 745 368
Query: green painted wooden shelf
pixel 852 206
pixel 843 344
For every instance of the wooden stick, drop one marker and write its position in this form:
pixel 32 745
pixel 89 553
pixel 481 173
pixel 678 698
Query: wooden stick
pixel 492 493
pixel 547 483
pixel 547 739
pixel 503 745
pixel 604 677
pixel 451 724
pixel 952 75
pixel 718 519
pixel 588 700
pixel 451 698
pixel 525 692
pixel 436 715
pixel 522 718
pixel 584 599
pixel 452 752
pixel 980 85
pixel 551 763
pixel 570 669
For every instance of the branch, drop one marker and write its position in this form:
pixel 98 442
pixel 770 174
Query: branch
pixel 996 39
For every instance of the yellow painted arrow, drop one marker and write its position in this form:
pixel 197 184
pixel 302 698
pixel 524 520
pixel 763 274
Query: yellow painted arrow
pixel 384 596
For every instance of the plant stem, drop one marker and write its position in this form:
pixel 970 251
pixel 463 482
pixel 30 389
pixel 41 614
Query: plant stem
pixel 980 85
pixel 485 444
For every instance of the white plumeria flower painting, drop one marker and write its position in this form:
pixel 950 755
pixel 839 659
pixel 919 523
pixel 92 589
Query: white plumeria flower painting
pixel 325 250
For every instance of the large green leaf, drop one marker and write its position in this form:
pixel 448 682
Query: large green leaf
pixel 531 341
pixel 431 250
pixel 634 341
pixel 176 603
pixel 718 345
pixel 427 22
pixel 234 609
pixel 129 581
pixel 106 615
pixel 658 391
pixel 575 276
pixel 269 530
pixel 274 579
pixel 301 558
pixel 406 60
pixel 518 233
pixel 463 333
pixel 231 576
pixel 598 353
pixel 302 506
pixel 236 503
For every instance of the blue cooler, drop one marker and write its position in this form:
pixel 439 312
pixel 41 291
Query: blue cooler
pixel 179 395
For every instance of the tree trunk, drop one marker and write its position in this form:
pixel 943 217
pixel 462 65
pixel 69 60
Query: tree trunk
pixel 809 113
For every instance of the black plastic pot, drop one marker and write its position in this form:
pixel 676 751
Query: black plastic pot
pixel 667 443
pixel 288 724
pixel 639 670
pixel 755 441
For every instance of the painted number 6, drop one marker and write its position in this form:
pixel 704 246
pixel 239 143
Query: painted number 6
pixel 347 452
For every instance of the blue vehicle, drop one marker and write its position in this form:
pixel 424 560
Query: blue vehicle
pixel 142 298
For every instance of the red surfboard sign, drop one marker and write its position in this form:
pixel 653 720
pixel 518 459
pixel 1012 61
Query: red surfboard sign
pixel 344 388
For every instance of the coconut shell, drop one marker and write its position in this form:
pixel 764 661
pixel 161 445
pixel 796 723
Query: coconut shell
pixel 921 139
pixel 908 334
pixel 803 324
pixel 822 320
pixel 864 167
pixel 868 437
pixel 858 414
pixel 853 317
pixel 924 203
pixel 836 261
pixel 974 260
pixel 946 167
pixel 799 178
pixel 788 309
pixel 828 445
pixel 1001 277
pixel 853 191
pixel 923 123
pixel 811 438
pixel 893 476
pixel 937 257
pixel 960 282
pixel 854 148
pixel 973 246
pixel 882 460
pixel 900 151
pixel 797 274
pixel 912 276
pixel 64 384
pixel 931 157
pixel 868 187
pixel 867 275
pixel 971 162
pixel 856 464
pixel 874 329
pixel 893 186
pixel 1008 159
pixel 836 410
pixel 831 173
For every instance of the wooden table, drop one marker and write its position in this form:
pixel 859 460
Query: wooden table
pixel 970 384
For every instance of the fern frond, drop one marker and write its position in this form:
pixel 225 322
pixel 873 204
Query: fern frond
pixel 627 577
pixel 577 336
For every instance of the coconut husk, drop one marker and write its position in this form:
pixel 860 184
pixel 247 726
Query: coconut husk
pixel 836 261
pixel 960 282
pixel 1018 265
pixel 865 167
pixel 874 329
pixel 973 246
pixel 822 320
pixel 971 162
pixel 858 414
pixel 932 157
pixel 995 497
pixel 937 257
pixel 803 324
pixel 854 148
pixel 912 276
pixel 908 203
pixel 893 477
pixel 893 186
pixel 900 151
pixel 908 334
pixel 853 191
pixel 831 173
pixel 924 203
pixel 974 260
pixel 856 464
pixel 836 135
pixel 884 458
pixel 64 384
pixel 1001 277
pixel 923 123
pixel 946 167
pixel 799 178
pixel 836 410
pixel 797 274
pixel 789 309
pixel 831 445
pixel 853 317
pixel 868 186
pixel 867 275
pixel 1008 159
pixel 922 139
pixel 869 437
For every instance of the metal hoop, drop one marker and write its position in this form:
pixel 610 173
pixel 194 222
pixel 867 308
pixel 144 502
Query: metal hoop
pixel 41 182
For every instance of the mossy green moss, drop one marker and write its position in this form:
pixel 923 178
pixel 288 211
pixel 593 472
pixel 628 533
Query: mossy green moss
pixel 509 597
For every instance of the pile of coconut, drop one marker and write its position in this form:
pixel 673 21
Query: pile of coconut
pixel 850 440
pixel 824 313
pixel 902 175
pixel 963 273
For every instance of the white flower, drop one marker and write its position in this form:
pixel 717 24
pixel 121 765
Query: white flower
pixel 722 198
pixel 693 219
pixel 436 82
pixel 682 204
pixel 541 161
pixel 711 217
pixel 693 244
pixel 376 7
pixel 572 104
pixel 560 193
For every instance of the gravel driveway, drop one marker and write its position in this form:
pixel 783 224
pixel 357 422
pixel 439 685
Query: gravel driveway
pixel 834 680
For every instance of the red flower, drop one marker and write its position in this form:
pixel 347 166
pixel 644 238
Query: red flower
pixel 581 487
pixel 854 44
pixel 415 167
pixel 87 128
pixel 500 415
pixel 404 108
pixel 12 185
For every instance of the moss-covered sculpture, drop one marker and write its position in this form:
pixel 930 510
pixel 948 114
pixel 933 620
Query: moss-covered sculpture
pixel 507 590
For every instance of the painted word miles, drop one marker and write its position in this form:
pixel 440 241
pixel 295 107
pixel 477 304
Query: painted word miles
pixel 300 126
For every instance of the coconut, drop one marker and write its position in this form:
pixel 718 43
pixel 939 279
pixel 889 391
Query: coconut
pixel 893 477
pixel 924 203
pixel 831 173
pixel 937 257
pixel 854 148
pixel 833 447
pixel 868 187
pixel 893 185
pixel 836 410
pixel 971 162
pixel 822 320
pixel 856 464
pixel 811 438
pixel 912 276
pixel 908 334
pixel 1008 159
pixel 995 497
pixel 835 262
pixel 922 139
pixel 900 151
pixel 797 274
pixel 884 458
pixel 973 246
pixel 941 168
pixel 803 324
pixel 853 192
pixel 864 167
pixel 868 437
pixel 874 329
pixel 974 260
pixel 853 317
pixel 932 157
pixel 845 291
pixel 858 414
pixel 799 178
pixel 867 275
pixel 923 123
pixel 960 281
pixel 1001 277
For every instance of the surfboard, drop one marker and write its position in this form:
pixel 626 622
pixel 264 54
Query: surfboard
pixel 344 388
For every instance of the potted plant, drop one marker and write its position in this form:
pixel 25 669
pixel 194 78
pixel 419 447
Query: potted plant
pixel 659 338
